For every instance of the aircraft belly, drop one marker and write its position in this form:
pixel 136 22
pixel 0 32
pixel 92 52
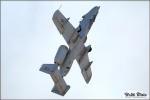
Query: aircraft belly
pixel 64 58
pixel 72 54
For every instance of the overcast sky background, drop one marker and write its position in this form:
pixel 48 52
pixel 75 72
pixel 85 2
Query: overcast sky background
pixel 120 49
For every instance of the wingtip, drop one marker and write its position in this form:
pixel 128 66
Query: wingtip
pixel 98 7
pixel 88 80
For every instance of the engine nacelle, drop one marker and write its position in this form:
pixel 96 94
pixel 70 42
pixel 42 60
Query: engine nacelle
pixel 61 54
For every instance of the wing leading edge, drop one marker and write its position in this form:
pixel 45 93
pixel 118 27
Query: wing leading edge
pixel 64 26
pixel 84 63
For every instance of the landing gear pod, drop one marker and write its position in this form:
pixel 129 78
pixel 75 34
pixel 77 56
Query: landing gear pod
pixel 61 54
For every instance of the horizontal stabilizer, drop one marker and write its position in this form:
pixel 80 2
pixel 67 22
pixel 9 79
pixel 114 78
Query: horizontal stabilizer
pixel 48 68
pixel 55 90
pixel 60 86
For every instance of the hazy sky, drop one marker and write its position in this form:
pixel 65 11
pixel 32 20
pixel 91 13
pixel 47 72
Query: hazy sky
pixel 120 49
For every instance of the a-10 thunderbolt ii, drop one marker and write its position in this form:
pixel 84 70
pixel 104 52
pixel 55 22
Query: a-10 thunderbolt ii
pixel 75 38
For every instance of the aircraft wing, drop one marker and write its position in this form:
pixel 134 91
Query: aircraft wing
pixel 64 26
pixel 83 61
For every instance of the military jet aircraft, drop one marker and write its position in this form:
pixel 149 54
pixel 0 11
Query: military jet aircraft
pixel 75 38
